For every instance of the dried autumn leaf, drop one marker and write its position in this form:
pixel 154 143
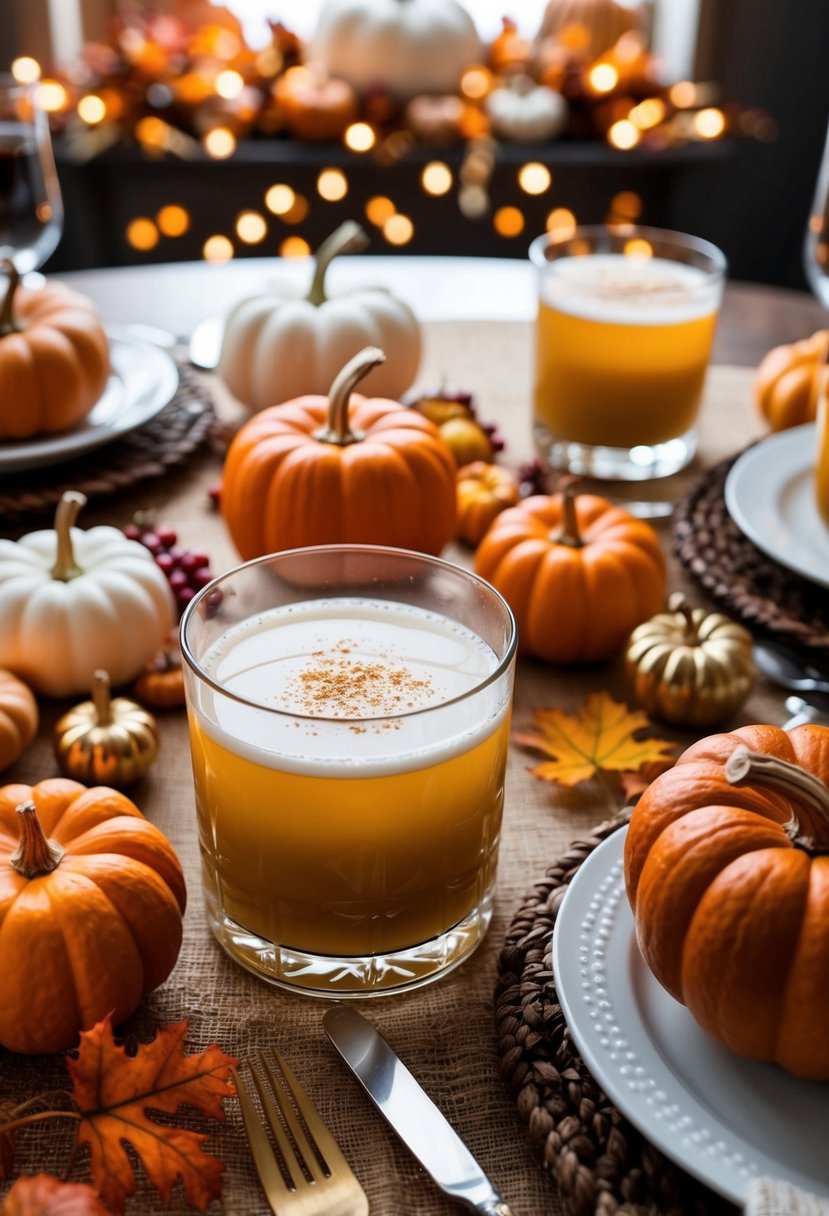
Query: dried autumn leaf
pixel 43 1195
pixel 114 1094
pixel 599 737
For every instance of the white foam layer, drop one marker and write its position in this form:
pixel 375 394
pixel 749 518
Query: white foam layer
pixel 627 289
pixel 332 687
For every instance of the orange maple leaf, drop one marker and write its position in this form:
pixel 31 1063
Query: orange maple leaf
pixel 599 737
pixel 114 1094
pixel 44 1195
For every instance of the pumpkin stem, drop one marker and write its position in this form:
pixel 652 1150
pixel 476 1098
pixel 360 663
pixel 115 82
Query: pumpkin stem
pixel 348 238
pixel 569 533
pixel 101 698
pixel 337 429
pixel 65 567
pixel 35 854
pixel 790 779
pixel 678 604
pixel 7 322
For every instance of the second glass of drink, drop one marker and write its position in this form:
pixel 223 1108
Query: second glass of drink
pixel 626 318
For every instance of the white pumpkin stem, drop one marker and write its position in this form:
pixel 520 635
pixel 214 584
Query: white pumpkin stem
pixel 35 854
pixel 679 605
pixel 101 698
pixel 69 507
pixel 7 321
pixel 348 238
pixel 569 533
pixel 337 429
pixel 790 779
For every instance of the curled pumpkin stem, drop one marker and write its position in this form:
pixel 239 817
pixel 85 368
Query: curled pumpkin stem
pixel 569 533
pixel 35 854
pixel 789 779
pixel 348 238
pixel 679 605
pixel 338 430
pixel 69 507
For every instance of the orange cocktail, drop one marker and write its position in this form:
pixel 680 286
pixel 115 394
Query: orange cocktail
pixel 349 754
pixel 623 339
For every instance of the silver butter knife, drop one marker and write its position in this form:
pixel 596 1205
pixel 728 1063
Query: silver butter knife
pixel 410 1112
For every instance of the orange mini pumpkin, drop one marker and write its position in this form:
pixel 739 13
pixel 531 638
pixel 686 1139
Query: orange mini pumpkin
pixel 18 718
pixel 790 380
pixel 313 106
pixel 337 470
pixel 484 490
pixel 91 901
pixel 54 359
pixel 727 873
pixel 579 574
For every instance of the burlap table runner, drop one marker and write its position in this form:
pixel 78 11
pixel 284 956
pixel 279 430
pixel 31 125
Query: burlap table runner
pixel 445 1032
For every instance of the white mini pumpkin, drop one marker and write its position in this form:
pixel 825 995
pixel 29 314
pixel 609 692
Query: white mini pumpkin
pixel 525 112
pixel 282 344
pixel 405 46
pixel 72 601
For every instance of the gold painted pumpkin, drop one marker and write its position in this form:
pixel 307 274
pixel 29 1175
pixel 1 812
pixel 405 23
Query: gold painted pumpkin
pixel 18 718
pixel 104 741
pixel 339 470
pixel 689 667
pixel 54 359
pixel 91 901
pixel 790 381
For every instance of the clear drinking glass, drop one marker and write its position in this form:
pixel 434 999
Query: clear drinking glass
pixel 626 318
pixel 31 210
pixel 349 719
pixel 816 248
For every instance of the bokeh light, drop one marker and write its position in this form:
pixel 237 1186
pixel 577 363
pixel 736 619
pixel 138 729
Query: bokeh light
pixel 534 178
pixel 624 135
pixel 561 222
pixel 603 78
pixel 683 94
pixel 638 247
pixel 398 229
pixel 220 143
pixel 142 233
pixel 709 123
pixel 379 209
pixel 279 199
pixel 173 220
pixel 294 247
pixel 627 204
pixel 52 96
pixel 217 249
pixel 332 185
pixel 251 227
pixel 25 69
pixel 360 137
pixel 508 221
pixel 229 84
pixel 92 109
pixel 436 178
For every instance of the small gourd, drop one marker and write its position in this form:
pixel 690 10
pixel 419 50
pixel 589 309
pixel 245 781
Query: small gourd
pixel 72 601
pixel 484 490
pixel 790 381
pixel 18 718
pixel 282 344
pixel 91 901
pixel 341 469
pixel 161 683
pixel 314 106
pixel 105 741
pixel 689 667
pixel 578 572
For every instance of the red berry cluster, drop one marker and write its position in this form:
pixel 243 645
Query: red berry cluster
pixel 187 570
pixel 533 478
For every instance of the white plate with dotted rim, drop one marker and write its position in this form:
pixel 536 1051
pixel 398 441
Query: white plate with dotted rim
pixel 770 495
pixel 144 379
pixel 723 1119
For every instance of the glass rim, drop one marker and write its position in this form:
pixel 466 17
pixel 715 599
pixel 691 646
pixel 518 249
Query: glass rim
pixel 666 236
pixel 440 563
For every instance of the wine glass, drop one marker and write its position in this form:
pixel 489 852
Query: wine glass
pixel 816 250
pixel 31 209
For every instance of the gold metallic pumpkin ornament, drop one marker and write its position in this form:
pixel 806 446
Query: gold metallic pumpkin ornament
pixel 105 741
pixel 688 666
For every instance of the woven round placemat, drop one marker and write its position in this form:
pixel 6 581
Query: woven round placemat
pixel 738 576
pixel 167 440
pixel 600 1162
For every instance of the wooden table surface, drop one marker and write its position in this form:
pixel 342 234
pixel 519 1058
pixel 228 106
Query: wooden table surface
pixel 445 1032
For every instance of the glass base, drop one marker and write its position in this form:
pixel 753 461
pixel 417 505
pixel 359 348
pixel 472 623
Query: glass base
pixel 342 978
pixel 642 463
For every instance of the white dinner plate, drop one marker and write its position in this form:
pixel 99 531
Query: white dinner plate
pixel 144 379
pixel 723 1119
pixel 770 495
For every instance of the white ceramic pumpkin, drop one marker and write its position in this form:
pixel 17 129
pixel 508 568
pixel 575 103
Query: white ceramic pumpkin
pixel 525 112
pixel 282 344
pixel 72 601
pixel 405 46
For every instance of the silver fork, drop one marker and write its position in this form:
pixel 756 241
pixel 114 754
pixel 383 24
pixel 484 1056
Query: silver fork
pixel 303 1172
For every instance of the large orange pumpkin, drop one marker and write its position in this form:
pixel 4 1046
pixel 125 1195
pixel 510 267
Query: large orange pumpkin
pixel 54 359
pixel 91 901
pixel 727 872
pixel 341 469
pixel 578 573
